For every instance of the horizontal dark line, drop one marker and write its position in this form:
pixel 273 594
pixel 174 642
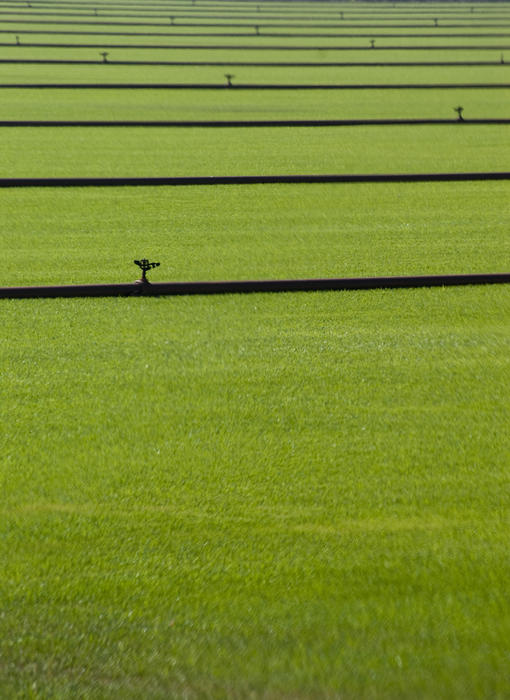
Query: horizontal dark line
pixel 292 7
pixel 253 123
pixel 343 35
pixel 240 87
pixel 165 47
pixel 425 24
pixel 253 286
pixel 234 14
pixel 17 182
pixel 347 64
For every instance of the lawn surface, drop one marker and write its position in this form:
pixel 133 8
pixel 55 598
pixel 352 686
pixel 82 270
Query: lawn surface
pixel 268 496
pixel 262 231
pixel 294 496
pixel 231 104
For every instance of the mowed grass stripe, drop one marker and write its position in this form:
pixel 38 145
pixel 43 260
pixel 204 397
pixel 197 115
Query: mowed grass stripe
pixel 313 231
pixel 191 155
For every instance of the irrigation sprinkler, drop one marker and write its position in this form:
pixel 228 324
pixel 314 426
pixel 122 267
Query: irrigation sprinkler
pixel 145 266
pixel 372 43
pixel 257 29
pixel 104 54
pixel 172 19
pixel 341 15
pixel 17 41
pixel 229 78
pixel 459 111
pixel 435 21
pixel 502 59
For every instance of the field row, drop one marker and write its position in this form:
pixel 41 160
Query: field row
pixel 20 74
pixel 265 231
pixel 165 152
pixel 229 104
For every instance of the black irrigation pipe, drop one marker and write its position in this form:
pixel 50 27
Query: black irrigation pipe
pixel 433 7
pixel 341 25
pixel 241 14
pixel 230 13
pixel 234 4
pixel 372 35
pixel 251 286
pixel 240 87
pixel 19 182
pixel 236 7
pixel 253 123
pixel 152 47
pixel 271 64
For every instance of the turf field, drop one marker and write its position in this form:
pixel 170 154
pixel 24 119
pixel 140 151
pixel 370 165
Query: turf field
pixel 263 496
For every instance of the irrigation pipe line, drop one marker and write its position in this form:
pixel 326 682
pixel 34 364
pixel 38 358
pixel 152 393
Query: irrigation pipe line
pixel 291 35
pixel 244 87
pixel 19 182
pixel 165 47
pixel 250 286
pixel 234 5
pixel 252 123
pixel 344 64
pixel 232 13
pixel 343 25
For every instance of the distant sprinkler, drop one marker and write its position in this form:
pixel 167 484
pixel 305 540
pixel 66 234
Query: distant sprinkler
pixel 257 29
pixel 145 266
pixel 172 20
pixel 104 54
pixel 502 59
pixel 17 40
pixel 229 78
pixel 435 21
pixel 459 111
pixel 341 15
pixel 372 43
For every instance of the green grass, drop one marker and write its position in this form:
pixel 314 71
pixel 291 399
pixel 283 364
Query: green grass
pixel 266 231
pixel 289 496
pixel 223 35
pixel 248 48
pixel 284 104
pixel 111 74
pixel 268 496
pixel 190 151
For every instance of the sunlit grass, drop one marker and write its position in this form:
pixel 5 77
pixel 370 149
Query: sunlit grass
pixel 297 495
pixel 263 496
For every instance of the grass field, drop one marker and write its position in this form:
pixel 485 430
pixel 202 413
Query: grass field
pixel 267 231
pixel 161 152
pixel 295 497
pixel 229 104
pixel 263 496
